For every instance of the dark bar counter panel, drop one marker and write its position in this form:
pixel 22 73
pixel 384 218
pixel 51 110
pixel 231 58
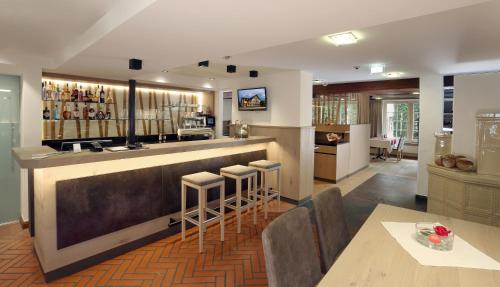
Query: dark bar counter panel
pixel 90 207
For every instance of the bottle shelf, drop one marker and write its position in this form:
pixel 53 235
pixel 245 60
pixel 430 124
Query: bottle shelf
pixel 80 102
pixel 108 120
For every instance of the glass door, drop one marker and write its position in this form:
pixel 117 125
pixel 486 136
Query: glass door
pixel 9 138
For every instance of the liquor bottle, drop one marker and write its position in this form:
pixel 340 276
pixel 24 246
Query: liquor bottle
pixel 91 113
pixel 89 94
pixel 102 95
pixel 46 113
pixel 57 94
pixel 80 94
pixel 74 94
pixel 100 115
pixel 49 92
pixel 66 113
pixel 56 112
pixel 66 94
pixel 85 112
pixel 108 115
pixel 76 112
pixel 43 92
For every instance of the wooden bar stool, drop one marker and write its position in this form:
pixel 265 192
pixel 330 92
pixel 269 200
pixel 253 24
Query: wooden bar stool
pixel 239 173
pixel 202 181
pixel 266 167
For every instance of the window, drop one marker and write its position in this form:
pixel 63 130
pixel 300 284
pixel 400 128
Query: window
pixel 401 119
pixel 335 109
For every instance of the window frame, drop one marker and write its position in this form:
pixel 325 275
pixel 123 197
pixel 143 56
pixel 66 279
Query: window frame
pixel 409 123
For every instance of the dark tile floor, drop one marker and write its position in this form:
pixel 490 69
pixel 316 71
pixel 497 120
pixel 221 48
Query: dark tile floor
pixel 381 188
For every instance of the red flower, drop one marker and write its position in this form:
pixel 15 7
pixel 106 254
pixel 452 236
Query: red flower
pixel 441 230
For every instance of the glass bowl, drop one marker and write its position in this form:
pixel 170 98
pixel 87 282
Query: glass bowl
pixel 426 235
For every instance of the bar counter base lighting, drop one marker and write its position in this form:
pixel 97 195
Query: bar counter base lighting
pixel 89 207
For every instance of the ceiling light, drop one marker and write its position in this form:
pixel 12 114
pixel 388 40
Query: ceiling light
pixel 416 93
pixel 318 81
pixel 378 98
pixel 5 91
pixel 345 38
pixel 211 79
pixel 203 64
pixel 393 74
pixel 164 71
pixel 376 68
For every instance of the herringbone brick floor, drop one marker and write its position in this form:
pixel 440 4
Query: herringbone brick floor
pixel 238 261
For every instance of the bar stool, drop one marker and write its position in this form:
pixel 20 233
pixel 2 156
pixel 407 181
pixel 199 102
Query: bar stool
pixel 202 181
pixel 239 173
pixel 265 167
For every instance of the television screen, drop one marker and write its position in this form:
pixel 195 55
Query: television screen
pixel 254 99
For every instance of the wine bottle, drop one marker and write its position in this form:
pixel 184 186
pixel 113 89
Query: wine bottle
pixel 66 95
pixel 102 96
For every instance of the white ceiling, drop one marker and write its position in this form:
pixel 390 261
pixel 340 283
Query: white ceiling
pixel 175 33
pixel 457 41
pixel 41 28
pixel 97 37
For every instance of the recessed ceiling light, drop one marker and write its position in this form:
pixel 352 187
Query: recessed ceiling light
pixel 393 74
pixel 211 79
pixel 376 68
pixel 318 81
pixel 378 98
pixel 5 90
pixel 416 93
pixel 345 38
pixel 164 71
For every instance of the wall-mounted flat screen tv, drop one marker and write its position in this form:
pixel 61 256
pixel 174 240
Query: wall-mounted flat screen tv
pixel 254 99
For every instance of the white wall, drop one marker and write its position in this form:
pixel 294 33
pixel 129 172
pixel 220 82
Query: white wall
pixel 473 93
pixel 30 116
pixel 359 141
pixel 289 99
pixel 431 121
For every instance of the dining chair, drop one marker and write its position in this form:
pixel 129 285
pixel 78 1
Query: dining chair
pixel 291 258
pixel 331 225
pixel 399 151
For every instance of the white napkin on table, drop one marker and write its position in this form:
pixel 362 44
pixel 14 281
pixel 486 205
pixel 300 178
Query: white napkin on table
pixel 462 255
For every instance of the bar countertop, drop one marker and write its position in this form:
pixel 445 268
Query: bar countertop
pixel 24 155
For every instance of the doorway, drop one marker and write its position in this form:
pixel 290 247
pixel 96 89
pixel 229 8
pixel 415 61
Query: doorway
pixel 9 138
pixel 227 105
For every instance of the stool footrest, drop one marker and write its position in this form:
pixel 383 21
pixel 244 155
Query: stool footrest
pixel 194 213
pixel 229 203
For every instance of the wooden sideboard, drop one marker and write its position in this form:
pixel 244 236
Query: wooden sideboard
pixel 464 195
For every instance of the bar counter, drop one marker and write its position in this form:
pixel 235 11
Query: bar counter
pixel 91 206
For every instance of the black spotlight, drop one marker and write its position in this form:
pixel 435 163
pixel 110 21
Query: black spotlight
pixel 203 64
pixel 231 69
pixel 254 74
pixel 135 64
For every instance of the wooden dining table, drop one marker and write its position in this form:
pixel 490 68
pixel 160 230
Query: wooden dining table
pixel 375 258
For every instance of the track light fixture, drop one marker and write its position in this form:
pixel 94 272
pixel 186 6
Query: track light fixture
pixel 203 64
pixel 231 69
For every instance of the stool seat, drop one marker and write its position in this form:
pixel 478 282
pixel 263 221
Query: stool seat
pixel 264 164
pixel 202 178
pixel 239 170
